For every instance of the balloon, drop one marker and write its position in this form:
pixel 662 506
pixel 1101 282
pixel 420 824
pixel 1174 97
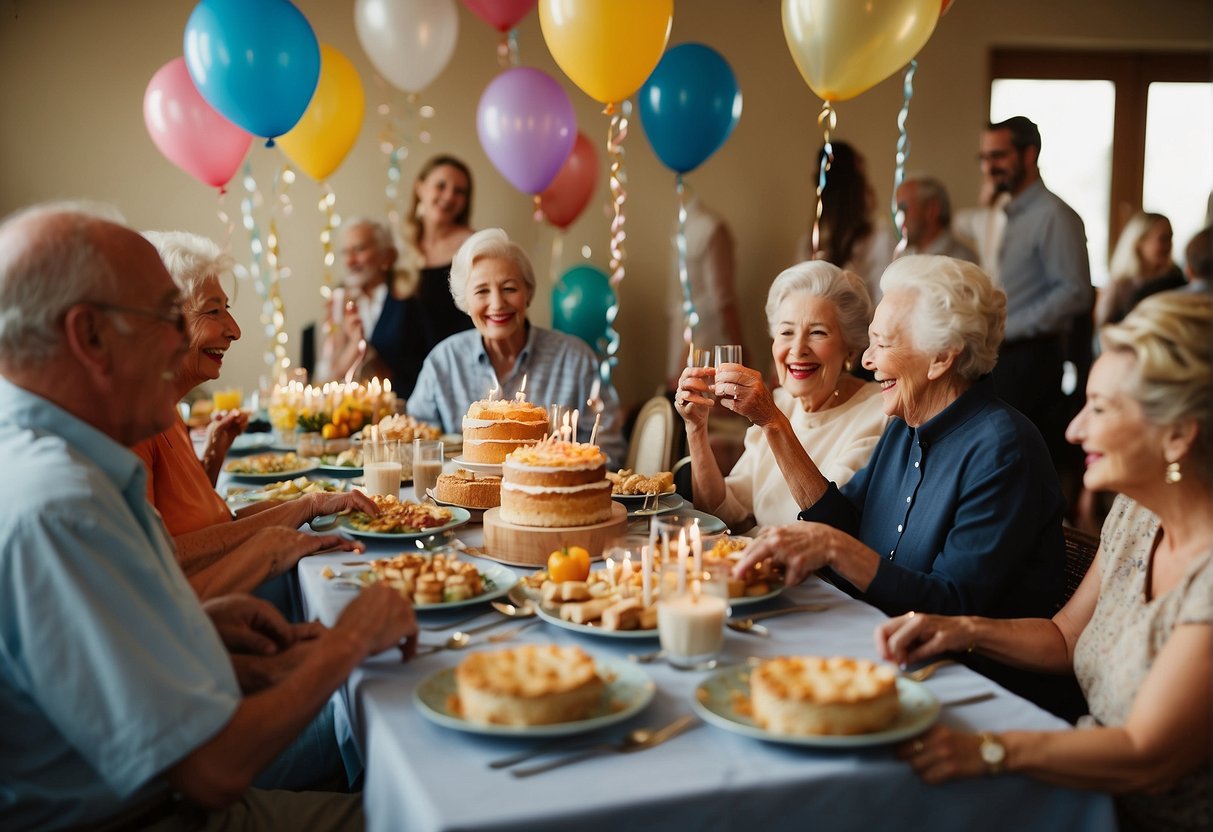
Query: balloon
pixel 188 131
pixel 606 47
pixel 527 126
pixel 580 300
pixel 409 42
pixel 689 105
pixel 502 15
pixel 944 6
pixel 329 128
pixel 256 63
pixel 563 201
pixel 843 47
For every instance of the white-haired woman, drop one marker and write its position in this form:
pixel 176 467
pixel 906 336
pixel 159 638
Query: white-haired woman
pixel 220 553
pixel 820 418
pixel 493 281
pixel 1138 632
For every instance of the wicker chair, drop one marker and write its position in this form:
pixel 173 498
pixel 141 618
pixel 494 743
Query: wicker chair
pixel 1080 551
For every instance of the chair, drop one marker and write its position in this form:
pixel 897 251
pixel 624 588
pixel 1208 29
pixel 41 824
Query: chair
pixel 1080 551
pixel 683 482
pixel 652 437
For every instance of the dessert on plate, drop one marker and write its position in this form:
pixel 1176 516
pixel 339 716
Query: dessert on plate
pixel 554 484
pixel 469 489
pixel 493 428
pixel 810 695
pixel 528 685
pixel 429 580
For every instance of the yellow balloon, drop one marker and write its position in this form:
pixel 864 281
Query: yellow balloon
pixel 608 48
pixel 844 47
pixel 321 139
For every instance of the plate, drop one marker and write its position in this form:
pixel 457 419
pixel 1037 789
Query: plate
pixel 266 492
pixel 246 443
pixel 503 581
pixel 638 498
pixel 459 516
pixel 708 524
pixel 715 700
pixel 748 600
pixel 477 514
pixel 478 467
pixel 665 504
pixel 627 694
pixel 591 629
pixel 340 470
pixel 305 466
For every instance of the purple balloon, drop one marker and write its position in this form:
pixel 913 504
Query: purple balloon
pixel 527 127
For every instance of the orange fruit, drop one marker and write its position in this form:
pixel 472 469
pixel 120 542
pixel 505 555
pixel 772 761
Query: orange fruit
pixel 570 563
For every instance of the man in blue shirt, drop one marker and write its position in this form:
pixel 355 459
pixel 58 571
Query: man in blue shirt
pixel 121 703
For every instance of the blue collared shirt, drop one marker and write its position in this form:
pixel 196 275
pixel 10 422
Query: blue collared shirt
pixel 559 369
pixel 110 671
pixel 965 513
pixel 1043 264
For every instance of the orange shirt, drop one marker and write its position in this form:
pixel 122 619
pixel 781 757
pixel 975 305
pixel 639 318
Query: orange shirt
pixel 177 484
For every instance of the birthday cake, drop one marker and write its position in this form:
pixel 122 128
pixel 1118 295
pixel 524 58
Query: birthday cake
pixel 554 484
pixel 528 685
pixel 493 428
pixel 469 489
pixel 807 695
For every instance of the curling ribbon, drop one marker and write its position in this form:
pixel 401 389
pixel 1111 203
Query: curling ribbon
pixel 903 153
pixel 557 255
pixel 225 219
pixel 690 318
pixel 248 204
pixel 395 138
pixel 617 132
pixel 331 223
pixel 827 120
pixel 273 311
pixel 507 49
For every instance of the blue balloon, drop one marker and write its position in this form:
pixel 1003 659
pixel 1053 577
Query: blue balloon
pixel 689 105
pixel 255 61
pixel 580 300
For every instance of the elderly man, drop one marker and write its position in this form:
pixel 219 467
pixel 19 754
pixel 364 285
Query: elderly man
pixel 927 223
pixel 122 706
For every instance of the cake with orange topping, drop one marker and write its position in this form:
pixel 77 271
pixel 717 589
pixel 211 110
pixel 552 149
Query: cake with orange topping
pixel 494 427
pixel 535 684
pixel 808 695
pixel 554 484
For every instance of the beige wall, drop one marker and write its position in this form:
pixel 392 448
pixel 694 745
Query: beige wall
pixel 71 124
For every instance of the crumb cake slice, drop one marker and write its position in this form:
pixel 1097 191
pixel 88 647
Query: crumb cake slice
pixel 555 484
pixel 808 695
pixel 493 428
pixel 469 489
pixel 528 685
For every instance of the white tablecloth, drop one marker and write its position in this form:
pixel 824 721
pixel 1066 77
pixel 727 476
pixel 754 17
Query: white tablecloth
pixel 421 776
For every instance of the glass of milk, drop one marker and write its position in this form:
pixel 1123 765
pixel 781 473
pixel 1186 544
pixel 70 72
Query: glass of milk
pixel 381 467
pixel 427 466
pixel 691 612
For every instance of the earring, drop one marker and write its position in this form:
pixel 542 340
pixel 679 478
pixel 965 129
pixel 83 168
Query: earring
pixel 848 365
pixel 1173 474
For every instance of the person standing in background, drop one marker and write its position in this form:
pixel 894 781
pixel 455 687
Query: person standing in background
pixel 927 211
pixel 982 226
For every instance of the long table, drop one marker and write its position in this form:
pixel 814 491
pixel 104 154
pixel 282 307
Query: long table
pixel 421 776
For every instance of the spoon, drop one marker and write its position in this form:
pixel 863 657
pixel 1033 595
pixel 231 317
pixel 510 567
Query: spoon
pixel 747 625
pixel 461 639
pixel 633 739
pixel 631 742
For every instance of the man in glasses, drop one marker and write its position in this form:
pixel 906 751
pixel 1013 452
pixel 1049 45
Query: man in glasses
pixel 122 706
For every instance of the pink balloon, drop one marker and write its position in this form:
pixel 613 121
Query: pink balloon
pixel 188 131
pixel 502 15
pixel 563 201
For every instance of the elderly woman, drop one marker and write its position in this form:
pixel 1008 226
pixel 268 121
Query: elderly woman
pixel 218 553
pixel 1137 632
pixel 492 280
pixel 958 510
pixel 820 418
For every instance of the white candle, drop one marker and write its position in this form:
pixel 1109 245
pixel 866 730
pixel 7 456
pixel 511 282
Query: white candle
pixel 697 548
pixel 565 430
pixel 493 391
pixel 682 560
pixel 646 574
pixel 691 626
pixel 610 570
pixel 520 396
pixel 627 576
pixel 594 430
pixel 576 414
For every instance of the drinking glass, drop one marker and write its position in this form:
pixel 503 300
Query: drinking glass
pixel 727 354
pixel 229 399
pixel 427 466
pixel 690 619
pixel 703 359
pixel 381 467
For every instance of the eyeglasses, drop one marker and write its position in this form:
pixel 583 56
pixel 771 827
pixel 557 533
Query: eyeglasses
pixel 174 315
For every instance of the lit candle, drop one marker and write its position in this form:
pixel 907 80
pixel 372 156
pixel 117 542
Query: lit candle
pixel 691 355
pixel 493 391
pixel 682 560
pixel 627 576
pixel 594 430
pixel 565 430
pixel 646 574
pixel 520 396
pixel 610 570
pixel 387 385
pixel 697 548
pixel 576 415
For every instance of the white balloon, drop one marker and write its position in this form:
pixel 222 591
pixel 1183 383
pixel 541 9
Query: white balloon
pixel 409 42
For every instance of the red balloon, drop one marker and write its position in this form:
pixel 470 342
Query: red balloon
pixel 564 200
pixel 943 9
pixel 502 15
pixel 190 132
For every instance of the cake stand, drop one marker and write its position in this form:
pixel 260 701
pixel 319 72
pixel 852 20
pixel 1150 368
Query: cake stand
pixel 530 545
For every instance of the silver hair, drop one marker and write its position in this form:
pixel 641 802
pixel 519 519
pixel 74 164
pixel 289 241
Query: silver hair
pixel 846 290
pixel 43 276
pixel 191 259
pixel 931 189
pixel 380 232
pixel 956 306
pixel 491 242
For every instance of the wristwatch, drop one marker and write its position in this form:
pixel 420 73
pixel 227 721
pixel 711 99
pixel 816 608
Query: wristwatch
pixel 993 752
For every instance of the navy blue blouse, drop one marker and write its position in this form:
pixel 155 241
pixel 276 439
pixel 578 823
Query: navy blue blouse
pixel 965 512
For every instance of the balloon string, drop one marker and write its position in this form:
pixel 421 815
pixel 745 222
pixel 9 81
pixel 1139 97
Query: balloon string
pixel 276 273
pixel 557 255
pixel 507 49
pixel 903 153
pixel 225 219
pixel 395 138
pixel 617 132
pixel 827 119
pixel 331 222
pixel 248 206
pixel 690 318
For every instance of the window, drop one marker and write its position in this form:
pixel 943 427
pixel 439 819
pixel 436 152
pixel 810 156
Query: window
pixel 1121 132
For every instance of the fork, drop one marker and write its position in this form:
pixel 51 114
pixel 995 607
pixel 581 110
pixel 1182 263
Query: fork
pixel 684 723
pixel 927 671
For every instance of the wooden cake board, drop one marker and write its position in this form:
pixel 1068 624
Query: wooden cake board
pixel 531 545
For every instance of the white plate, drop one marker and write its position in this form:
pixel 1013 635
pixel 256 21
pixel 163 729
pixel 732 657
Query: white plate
pixel 638 498
pixel 708 524
pixel 592 628
pixel 459 516
pixel 628 691
pixel 340 470
pixel 478 467
pixel 665 504
pixel 503 580
pixel 257 495
pixel 246 443
pixel 749 600
pixel 715 700
pixel 477 514
pixel 306 466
